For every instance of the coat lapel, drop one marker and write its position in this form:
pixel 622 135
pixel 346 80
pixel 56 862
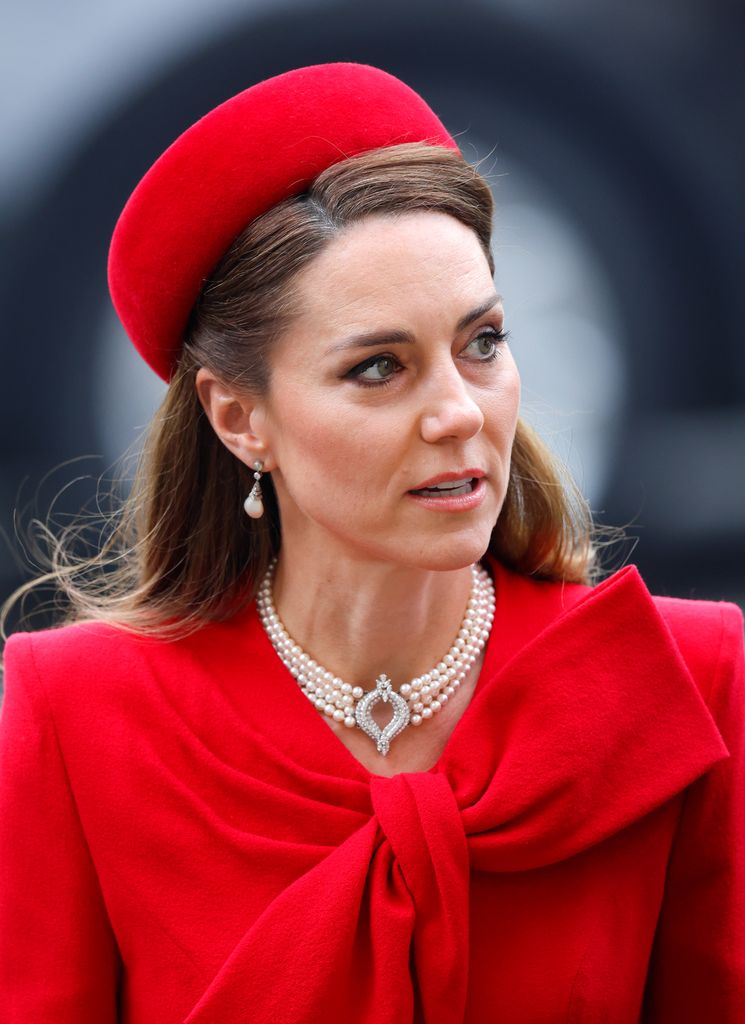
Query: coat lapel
pixel 592 725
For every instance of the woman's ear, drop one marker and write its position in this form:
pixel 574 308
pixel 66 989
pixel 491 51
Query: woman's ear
pixel 238 419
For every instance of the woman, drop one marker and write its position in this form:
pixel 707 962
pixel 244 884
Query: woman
pixel 244 781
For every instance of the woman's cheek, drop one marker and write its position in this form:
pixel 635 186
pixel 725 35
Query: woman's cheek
pixel 506 407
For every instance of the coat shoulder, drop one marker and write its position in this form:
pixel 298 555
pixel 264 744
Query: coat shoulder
pixel 74 660
pixel 709 635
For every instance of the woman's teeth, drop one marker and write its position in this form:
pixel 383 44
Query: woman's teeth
pixel 449 489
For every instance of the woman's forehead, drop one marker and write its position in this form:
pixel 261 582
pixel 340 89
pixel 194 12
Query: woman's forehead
pixel 414 262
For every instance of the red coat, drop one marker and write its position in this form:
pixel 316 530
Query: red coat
pixel 184 839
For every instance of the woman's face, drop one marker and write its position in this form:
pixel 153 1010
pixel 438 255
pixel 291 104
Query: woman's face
pixel 393 374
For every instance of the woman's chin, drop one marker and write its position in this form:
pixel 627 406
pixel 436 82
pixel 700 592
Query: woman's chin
pixel 449 554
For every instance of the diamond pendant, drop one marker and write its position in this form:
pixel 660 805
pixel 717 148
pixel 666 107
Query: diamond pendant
pixel 383 691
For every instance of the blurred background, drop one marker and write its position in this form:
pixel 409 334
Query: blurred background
pixel 613 139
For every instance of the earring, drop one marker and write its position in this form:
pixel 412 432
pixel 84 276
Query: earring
pixel 253 504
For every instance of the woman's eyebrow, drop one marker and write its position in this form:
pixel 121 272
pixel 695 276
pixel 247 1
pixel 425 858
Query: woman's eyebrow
pixel 398 336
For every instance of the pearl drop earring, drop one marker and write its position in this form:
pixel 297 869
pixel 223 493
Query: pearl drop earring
pixel 253 504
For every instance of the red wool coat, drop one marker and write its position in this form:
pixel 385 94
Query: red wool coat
pixel 184 840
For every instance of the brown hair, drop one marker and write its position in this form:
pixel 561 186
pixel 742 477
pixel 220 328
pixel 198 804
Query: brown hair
pixel 179 551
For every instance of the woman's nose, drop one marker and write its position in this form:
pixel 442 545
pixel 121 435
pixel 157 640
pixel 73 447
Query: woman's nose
pixel 450 409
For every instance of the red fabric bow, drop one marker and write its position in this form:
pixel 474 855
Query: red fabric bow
pixel 585 731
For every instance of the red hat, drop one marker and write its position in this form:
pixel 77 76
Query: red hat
pixel 256 149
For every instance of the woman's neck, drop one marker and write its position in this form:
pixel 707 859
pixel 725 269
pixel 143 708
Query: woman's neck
pixel 358 618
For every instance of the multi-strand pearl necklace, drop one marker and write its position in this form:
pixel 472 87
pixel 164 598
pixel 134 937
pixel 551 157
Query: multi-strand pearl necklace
pixel 417 700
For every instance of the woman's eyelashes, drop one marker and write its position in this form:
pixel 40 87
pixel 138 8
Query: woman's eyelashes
pixel 381 369
pixel 494 339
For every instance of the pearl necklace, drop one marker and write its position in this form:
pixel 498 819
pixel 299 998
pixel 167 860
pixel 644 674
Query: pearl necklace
pixel 417 700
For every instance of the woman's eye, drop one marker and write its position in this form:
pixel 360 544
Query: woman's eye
pixel 375 371
pixel 486 344
pixel 382 369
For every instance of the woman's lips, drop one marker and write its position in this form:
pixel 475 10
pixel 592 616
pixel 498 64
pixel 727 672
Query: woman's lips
pixel 446 501
pixel 469 473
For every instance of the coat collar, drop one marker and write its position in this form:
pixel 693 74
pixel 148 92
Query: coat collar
pixel 585 729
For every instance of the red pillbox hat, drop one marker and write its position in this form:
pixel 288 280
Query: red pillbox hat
pixel 256 149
